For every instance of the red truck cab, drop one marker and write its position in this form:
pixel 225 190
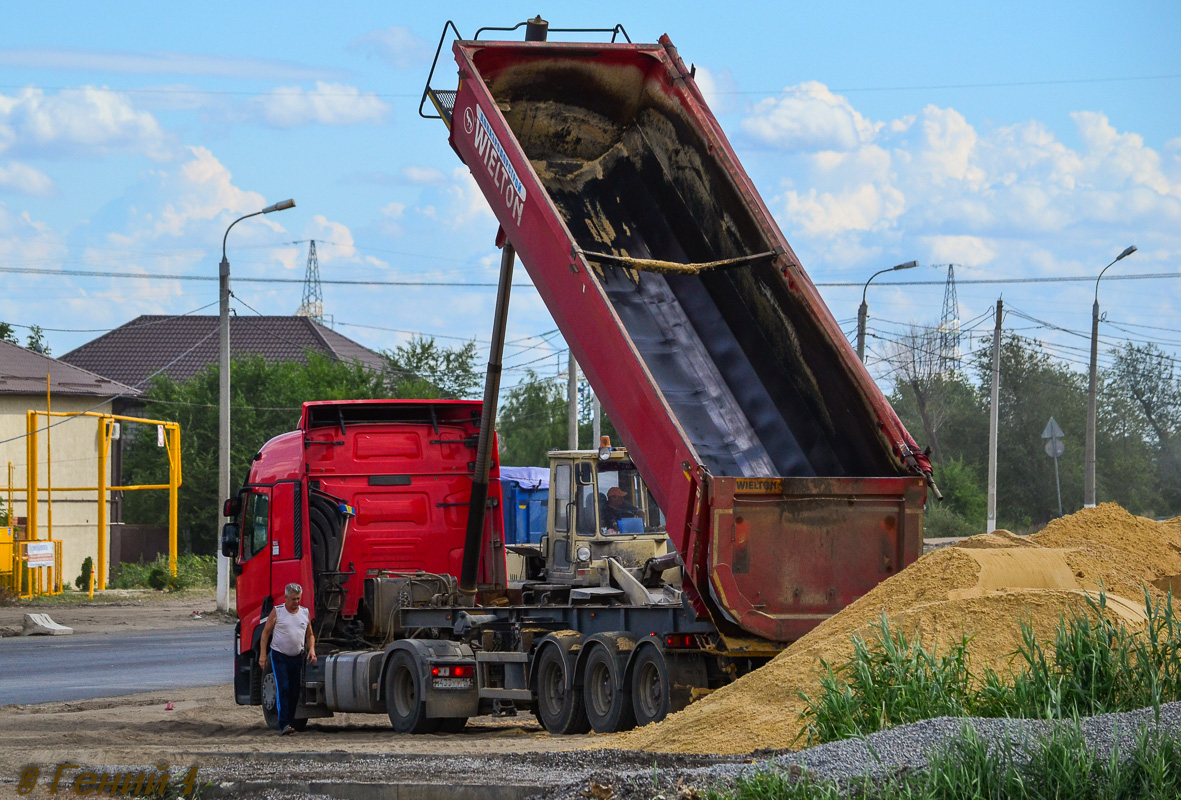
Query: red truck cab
pixel 363 487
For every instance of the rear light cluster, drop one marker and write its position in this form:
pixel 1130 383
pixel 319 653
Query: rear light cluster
pixel 453 672
pixel 674 640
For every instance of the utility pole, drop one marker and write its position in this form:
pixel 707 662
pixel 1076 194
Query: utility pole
pixel 994 415
pixel 596 421
pixel 572 400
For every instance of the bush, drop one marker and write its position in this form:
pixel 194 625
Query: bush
pixel 1095 666
pixel 192 571
pixel 941 521
pixel 83 580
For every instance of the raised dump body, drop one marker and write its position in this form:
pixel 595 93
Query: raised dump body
pixel 789 484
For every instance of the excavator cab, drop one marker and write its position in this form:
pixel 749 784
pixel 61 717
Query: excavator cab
pixel 605 536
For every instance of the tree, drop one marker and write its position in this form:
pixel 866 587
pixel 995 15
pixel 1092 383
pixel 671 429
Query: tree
pixel 422 369
pixel 265 401
pixel 7 334
pixel 916 364
pixel 1144 377
pixel 37 342
pixel 534 418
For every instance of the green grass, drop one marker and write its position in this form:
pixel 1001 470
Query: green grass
pixel 192 572
pixel 1094 666
pixel 1060 767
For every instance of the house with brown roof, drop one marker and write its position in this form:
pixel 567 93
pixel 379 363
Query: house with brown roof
pixel 182 346
pixel 67 452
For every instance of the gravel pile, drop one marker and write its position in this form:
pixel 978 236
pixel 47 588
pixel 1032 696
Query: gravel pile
pixel 903 748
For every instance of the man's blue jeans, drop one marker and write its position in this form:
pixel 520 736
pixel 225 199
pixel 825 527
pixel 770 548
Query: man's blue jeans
pixel 287 671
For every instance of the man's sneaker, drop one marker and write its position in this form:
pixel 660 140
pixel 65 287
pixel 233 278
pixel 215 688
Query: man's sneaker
pixel 287 731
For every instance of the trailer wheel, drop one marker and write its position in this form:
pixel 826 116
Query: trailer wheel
pixel 405 696
pixel 559 700
pixel 650 689
pixel 607 695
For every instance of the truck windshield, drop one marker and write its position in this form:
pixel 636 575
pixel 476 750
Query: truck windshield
pixel 625 504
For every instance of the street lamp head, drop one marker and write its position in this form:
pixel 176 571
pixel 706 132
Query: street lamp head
pixel 907 265
pixel 1127 252
pixel 280 206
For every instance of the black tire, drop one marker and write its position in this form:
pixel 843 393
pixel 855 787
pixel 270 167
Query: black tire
pixel 405 695
pixel 452 724
pixel 270 709
pixel 606 694
pixel 559 700
pixel 649 687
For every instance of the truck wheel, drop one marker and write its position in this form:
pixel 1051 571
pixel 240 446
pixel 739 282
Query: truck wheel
pixel 270 707
pixel 650 690
pixel 608 698
pixel 559 703
pixel 405 696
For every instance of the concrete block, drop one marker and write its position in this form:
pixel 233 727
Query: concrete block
pixel 42 625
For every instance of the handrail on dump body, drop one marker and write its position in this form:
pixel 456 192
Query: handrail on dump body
pixel 444 99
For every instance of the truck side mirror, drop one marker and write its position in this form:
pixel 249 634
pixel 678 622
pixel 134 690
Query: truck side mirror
pixel 585 474
pixel 232 507
pixel 229 539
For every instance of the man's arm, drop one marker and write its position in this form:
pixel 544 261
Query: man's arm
pixel 264 643
pixel 310 643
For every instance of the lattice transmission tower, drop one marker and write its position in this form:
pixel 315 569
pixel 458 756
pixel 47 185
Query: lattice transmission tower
pixel 949 326
pixel 313 296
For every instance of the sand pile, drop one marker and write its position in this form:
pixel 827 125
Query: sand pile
pixel 983 587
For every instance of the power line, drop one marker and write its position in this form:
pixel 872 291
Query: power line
pixel 825 284
pixel 86 273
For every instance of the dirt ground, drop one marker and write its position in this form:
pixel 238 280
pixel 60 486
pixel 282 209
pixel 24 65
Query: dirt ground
pixel 206 726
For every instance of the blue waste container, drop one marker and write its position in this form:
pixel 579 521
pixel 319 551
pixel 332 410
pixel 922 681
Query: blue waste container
pixel 526 503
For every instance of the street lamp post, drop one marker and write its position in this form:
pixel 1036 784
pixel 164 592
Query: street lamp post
pixel 223 404
pixel 1089 457
pixel 863 312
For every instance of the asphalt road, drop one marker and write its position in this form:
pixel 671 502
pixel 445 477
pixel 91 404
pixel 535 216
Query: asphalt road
pixel 44 669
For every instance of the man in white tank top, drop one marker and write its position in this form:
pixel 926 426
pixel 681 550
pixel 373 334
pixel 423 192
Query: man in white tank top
pixel 285 638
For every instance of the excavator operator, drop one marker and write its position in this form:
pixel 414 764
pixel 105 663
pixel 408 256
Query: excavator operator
pixel 616 508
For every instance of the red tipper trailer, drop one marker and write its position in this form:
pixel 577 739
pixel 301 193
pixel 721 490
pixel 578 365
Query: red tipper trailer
pixel 790 486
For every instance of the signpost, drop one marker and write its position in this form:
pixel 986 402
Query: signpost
pixel 1055 447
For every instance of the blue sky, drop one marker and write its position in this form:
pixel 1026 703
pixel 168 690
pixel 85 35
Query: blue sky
pixel 1014 140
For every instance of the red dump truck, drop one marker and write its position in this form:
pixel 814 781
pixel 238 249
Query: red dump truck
pixel 773 482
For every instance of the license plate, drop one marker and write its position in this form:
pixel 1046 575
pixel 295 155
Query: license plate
pixel 453 683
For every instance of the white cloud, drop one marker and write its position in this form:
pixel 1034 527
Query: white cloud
pixel 423 175
pixel 75 121
pixel 334 240
pixel 327 104
pixel 22 178
pixel 396 45
pixel 162 63
pixel 971 251
pixel 808 117
pixel 966 196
